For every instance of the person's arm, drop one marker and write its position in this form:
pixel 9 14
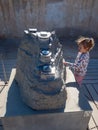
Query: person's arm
pixel 81 64
pixel 68 63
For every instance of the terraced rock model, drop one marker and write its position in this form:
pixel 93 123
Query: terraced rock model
pixel 40 70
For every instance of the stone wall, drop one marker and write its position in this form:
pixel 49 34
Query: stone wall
pixel 67 17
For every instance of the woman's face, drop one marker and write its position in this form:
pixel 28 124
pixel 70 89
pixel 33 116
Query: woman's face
pixel 82 49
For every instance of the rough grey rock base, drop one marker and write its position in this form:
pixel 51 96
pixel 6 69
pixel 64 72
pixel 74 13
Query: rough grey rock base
pixel 39 94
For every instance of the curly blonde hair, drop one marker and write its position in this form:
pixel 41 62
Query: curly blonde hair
pixel 87 42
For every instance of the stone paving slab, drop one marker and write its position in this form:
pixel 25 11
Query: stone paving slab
pixel 2 86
